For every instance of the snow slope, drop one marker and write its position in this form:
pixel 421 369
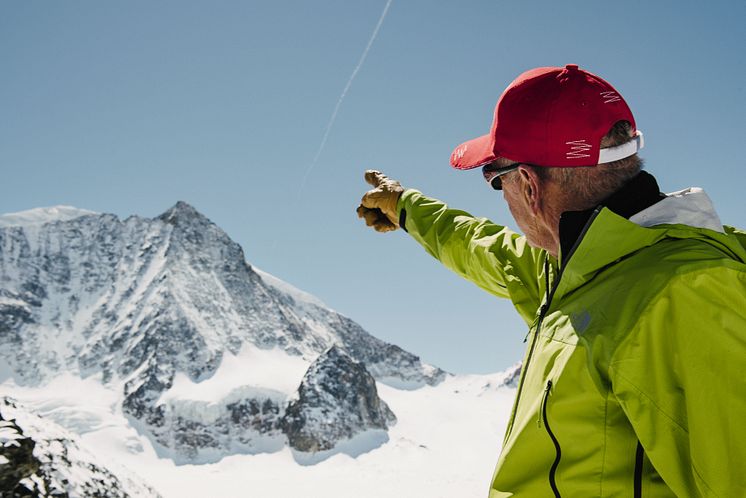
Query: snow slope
pixel 40 458
pixel 444 445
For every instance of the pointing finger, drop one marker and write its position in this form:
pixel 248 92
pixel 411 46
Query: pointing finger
pixel 374 177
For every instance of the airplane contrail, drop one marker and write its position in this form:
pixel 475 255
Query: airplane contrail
pixel 344 93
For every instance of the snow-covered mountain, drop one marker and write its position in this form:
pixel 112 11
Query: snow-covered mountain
pixel 149 302
pixel 160 347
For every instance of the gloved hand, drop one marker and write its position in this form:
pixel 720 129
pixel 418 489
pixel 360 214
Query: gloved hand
pixel 378 206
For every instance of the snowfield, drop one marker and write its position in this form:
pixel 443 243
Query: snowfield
pixel 444 444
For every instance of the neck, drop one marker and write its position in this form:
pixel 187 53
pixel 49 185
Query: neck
pixel 637 194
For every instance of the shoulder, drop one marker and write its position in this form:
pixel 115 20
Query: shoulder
pixel 695 315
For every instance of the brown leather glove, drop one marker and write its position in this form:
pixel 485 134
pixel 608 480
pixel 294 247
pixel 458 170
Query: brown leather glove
pixel 378 206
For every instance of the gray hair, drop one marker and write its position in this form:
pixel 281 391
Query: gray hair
pixel 586 186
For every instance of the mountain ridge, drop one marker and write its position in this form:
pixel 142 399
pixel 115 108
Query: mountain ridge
pixel 143 299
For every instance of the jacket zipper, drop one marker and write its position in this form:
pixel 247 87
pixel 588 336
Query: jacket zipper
pixel 542 312
pixel 558 451
pixel 639 453
pixel 541 308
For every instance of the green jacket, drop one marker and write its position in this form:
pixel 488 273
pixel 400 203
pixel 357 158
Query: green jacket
pixel 634 379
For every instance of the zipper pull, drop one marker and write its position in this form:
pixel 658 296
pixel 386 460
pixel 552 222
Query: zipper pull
pixel 542 310
pixel 540 418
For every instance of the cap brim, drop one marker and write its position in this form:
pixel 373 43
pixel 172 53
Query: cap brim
pixel 474 153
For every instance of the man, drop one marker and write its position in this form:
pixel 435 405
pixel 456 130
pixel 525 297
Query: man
pixel 633 382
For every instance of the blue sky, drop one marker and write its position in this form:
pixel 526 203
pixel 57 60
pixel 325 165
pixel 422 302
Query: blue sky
pixel 127 107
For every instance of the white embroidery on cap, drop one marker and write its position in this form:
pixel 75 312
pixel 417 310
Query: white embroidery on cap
pixel 459 153
pixel 578 149
pixel 610 97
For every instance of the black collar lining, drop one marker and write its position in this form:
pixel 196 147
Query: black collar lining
pixel 639 193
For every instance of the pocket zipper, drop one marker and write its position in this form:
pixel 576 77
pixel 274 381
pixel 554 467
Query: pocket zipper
pixel 558 451
pixel 639 453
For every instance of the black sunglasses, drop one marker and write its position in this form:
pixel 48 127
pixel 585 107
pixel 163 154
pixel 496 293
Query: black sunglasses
pixel 493 173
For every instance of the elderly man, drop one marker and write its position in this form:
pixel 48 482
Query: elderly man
pixel 633 382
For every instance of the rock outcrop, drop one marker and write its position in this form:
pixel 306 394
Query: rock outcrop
pixel 40 459
pixel 336 400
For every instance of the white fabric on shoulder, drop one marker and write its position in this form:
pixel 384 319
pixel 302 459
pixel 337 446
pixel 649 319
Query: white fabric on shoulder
pixel 691 206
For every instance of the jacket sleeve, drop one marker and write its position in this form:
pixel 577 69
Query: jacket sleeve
pixel 679 377
pixel 493 257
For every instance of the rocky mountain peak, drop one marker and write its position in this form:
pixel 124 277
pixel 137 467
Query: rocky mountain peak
pixel 183 214
pixel 141 300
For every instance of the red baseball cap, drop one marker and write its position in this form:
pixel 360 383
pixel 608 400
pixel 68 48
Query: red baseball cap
pixel 552 116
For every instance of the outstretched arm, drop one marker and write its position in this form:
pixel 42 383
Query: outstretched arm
pixel 495 258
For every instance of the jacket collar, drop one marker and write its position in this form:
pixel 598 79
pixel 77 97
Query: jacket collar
pixel 607 236
pixel 636 195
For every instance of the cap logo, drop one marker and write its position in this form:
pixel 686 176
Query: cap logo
pixel 610 97
pixel 578 149
pixel 459 153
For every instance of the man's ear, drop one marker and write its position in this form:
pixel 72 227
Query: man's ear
pixel 531 188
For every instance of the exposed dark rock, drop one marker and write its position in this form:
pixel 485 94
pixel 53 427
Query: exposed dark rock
pixel 513 376
pixel 336 400
pixel 19 463
pixel 40 459
pixel 200 431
